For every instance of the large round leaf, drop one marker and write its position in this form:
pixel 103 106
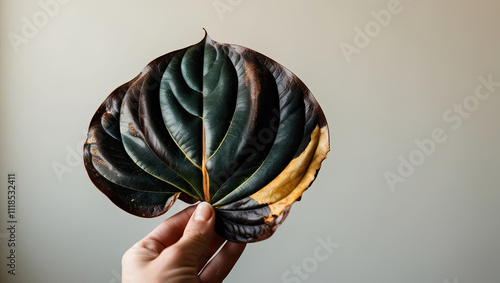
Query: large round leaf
pixel 212 122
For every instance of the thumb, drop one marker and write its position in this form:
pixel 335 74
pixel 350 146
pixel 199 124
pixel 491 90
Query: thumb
pixel 199 231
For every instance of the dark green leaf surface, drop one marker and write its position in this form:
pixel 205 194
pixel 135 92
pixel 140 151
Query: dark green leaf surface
pixel 212 122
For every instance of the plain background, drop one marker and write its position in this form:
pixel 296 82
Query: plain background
pixel 440 225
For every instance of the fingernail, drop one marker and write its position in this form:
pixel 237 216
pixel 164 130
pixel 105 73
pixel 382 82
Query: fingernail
pixel 203 212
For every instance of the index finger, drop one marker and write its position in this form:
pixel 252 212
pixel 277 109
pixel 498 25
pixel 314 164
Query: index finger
pixel 168 232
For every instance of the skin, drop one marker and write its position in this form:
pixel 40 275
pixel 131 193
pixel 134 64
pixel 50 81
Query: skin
pixel 179 248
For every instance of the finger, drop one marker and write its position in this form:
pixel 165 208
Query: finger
pixel 168 232
pixel 220 266
pixel 213 247
pixel 198 233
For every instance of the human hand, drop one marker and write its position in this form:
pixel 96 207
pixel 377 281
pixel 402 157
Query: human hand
pixel 179 248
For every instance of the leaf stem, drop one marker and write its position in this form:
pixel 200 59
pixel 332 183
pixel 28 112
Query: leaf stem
pixel 206 184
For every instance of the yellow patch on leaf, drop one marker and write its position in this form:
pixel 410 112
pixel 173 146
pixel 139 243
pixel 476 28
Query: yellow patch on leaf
pixel 289 185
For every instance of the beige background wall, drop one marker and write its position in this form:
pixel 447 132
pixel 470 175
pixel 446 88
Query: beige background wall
pixel 409 193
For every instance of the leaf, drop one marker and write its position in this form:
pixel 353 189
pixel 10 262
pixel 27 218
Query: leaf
pixel 211 122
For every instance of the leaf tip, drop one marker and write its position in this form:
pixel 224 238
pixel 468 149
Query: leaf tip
pixel 206 37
